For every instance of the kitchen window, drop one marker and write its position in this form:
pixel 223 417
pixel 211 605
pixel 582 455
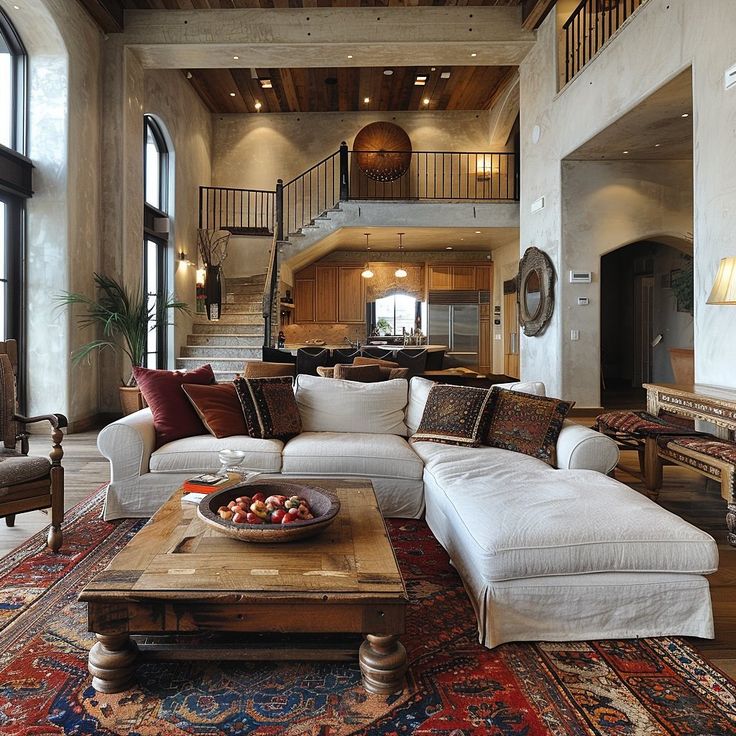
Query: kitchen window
pixel 396 313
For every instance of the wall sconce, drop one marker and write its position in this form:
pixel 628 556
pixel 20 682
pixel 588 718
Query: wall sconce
pixel 724 286
pixel 183 260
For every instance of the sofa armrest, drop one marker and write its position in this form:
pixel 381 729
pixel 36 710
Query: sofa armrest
pixel 582 448
pixel 128 443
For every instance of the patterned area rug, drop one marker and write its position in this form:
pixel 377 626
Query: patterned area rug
pixel 454 687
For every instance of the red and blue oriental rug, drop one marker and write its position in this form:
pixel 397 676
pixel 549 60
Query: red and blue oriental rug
pixel 454 687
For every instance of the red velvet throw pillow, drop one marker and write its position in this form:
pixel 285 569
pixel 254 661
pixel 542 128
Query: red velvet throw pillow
pixel 173 416
pixel 218 406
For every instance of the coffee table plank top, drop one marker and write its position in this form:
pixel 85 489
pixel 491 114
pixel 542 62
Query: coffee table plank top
pixel 177 555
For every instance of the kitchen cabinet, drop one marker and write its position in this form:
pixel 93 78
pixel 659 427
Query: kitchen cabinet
pixel 350 295
pixel 303 300
pixel 460 278
pixel 325 294
pixel 485 337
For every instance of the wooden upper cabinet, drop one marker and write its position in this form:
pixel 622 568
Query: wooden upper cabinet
pixel 483 278
pixel 440 278
pixel 463 278
pixel 325 294
pixel 303 300
pixel 350 295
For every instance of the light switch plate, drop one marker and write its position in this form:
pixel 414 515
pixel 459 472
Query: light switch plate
pixel 582 301
pixel 574 334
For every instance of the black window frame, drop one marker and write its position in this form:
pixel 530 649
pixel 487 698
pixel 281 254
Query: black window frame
pixel 16 186
pixel 156 234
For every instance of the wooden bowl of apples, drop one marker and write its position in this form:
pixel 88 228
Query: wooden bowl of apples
pixel 269 512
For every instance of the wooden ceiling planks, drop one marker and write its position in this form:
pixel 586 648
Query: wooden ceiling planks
pixel 344 89
pixel 225 4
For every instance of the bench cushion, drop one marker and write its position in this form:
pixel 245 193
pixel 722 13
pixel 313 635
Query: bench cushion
pixel 199 454
pixel 639 422
pixel 714 457
pixel 523 519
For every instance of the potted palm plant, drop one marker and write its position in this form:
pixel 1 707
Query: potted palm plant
pixel 125 316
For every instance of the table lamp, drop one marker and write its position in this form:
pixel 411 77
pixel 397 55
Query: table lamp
pixel 724 286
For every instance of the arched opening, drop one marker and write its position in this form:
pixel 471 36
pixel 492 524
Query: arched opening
pixel 646 318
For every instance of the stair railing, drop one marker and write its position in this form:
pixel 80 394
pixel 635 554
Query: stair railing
pixel 271 285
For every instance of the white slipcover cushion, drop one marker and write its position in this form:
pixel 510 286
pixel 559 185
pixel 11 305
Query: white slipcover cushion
pixel 362 454
pixel 523 519
pixel 419 389
pixel 332 405
pixel 200 454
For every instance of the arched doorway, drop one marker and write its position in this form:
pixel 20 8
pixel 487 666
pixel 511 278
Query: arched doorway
pixel 646 313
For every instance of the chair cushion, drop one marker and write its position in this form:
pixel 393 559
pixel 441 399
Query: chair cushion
pixel 199 454
pixel 16 468
pixel 522 519
pixel 330 405
pixel 638 423
pixel 454 415
pixel 218 407
pixel 269 407
pixel 174 416
pixel 357 453
pixel 525 423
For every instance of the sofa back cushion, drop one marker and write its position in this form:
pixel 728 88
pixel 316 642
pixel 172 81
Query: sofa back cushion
pixel 173 416
pixel 332 405
pixel 269 407
pixel 419 389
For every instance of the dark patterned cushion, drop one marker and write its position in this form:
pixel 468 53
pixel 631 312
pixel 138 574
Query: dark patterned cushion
pixel 639 422
pixel 269 407
pixel 526 423
pixel 454 415
pixel 360 373
pixel 707 445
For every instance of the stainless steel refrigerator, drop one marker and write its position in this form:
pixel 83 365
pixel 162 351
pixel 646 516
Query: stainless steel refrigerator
pixel 456 325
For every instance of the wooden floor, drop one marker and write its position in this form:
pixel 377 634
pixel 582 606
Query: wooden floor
pixel 684 493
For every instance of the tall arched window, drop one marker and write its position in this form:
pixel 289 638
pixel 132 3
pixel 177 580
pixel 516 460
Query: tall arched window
pixel 15 179
pixel 156 235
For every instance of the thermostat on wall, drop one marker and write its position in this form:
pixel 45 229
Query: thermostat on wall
pixel 580 277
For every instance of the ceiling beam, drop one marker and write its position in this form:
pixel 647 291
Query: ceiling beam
pixel 108 14
pixel 533 12
pixel 307 37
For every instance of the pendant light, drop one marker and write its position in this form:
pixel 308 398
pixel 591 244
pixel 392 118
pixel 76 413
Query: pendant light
pixel 400 272
pixel 367 273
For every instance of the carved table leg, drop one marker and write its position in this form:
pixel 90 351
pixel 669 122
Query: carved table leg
pixel 731 524
pixel 382 663
pixel 112 662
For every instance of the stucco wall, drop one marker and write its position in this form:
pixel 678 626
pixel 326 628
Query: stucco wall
pixel 663 39
pixel 253 151
pixel 63 217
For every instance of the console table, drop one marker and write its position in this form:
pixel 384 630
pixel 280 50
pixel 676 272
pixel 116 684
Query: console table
pixel 705 403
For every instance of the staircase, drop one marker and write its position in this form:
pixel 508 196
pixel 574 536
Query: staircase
pixel 236 337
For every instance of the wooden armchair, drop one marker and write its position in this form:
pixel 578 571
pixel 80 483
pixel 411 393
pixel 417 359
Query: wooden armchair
pixel 27 482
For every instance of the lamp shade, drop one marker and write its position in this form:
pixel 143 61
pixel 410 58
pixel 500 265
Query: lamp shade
pixel 724 286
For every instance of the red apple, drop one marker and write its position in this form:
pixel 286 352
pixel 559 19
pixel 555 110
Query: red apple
pixel 258 497
pixel 239 518
pixel 252 518
pixel 277 516
pixel 243 500
pixel 289 519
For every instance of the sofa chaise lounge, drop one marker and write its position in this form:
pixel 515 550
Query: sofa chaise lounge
pixel 544 553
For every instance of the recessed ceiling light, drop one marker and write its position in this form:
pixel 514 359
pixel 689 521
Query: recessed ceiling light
pixel 16 7
pixel 448 247
pixel 625 151
pixel 685 115
pixel 445 75
pixel 350 56
pixel 258 106
pixel 426 100
pixel 388 72
pixel 462 238
pixel 474 54
pixel 366 100
pixel 657 145
pixel 232 94
pixel 266 84
pixel 235 58
pixel 477 232
pixel 420 80
pixel 433 68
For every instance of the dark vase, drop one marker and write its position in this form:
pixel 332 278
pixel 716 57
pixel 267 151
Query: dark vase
pixel 213 293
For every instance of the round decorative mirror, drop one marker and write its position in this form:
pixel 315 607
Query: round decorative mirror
pixel 535 293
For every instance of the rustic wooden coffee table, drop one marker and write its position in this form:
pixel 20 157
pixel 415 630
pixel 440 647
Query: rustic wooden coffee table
pixel 177 578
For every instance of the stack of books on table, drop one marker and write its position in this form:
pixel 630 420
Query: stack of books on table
pixel 204 483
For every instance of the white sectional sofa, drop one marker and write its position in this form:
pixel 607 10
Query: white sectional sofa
pixel 556 554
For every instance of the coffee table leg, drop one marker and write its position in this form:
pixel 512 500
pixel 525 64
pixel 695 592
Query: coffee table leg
pixel 112 662
pixel 382 663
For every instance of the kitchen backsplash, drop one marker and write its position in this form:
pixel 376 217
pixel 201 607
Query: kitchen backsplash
pixel 332 334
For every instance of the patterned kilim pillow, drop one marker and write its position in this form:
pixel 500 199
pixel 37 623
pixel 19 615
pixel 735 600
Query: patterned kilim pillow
pixel 454 415
pixel 269 407
pixel 526 423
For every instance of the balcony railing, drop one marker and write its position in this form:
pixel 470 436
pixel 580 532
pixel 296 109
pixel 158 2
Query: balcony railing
pixel 591 25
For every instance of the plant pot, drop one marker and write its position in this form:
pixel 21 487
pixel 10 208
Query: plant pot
pixel 131 399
